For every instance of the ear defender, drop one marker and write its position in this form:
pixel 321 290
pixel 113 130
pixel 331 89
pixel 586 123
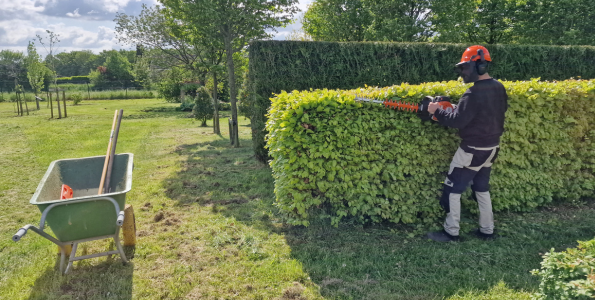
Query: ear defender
pixel 482 64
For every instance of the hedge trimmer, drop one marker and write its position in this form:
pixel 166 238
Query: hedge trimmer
pixel 421 108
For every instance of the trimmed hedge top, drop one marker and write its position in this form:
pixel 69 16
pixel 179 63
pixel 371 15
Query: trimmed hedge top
pixel 334 155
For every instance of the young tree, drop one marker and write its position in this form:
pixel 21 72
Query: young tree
pixel 36 70
pixel 50 48
pixel 203 106
pixel 234 23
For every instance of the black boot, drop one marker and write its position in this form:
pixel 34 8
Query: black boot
pixel 484 236
pixel 442 236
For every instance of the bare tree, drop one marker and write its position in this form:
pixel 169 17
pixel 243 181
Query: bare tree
pixel 50 48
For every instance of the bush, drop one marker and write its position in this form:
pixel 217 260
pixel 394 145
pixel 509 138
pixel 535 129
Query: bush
pixel 76 98
pixel 171 85
pixel 187 104
pixel 375 164
pixel 277 66
pixel 569 274
pixel 203 106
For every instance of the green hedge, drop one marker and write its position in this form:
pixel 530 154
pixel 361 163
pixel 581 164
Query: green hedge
pixel 73 79
pixel 346 158
pixel 277 66
pixel 568 275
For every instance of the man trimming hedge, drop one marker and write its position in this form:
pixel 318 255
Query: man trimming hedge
pixel 479 116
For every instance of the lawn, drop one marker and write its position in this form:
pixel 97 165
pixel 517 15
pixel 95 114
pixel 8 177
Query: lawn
pixel 208 228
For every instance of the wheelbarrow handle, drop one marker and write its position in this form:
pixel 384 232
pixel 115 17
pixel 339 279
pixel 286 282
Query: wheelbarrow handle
pixel 20 233
pixel 120 220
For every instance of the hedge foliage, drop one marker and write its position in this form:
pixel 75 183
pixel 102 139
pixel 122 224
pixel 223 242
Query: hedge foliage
pixel 277 66
pixel 73 79
pixel 569 274
pixel 358 159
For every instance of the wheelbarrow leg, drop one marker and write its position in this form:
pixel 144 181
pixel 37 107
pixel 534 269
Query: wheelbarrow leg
pixel 119 246
pixel 72 256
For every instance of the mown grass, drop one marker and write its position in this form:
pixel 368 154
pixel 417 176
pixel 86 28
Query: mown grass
pixel 208 228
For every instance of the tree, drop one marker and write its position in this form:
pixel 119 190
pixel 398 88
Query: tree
pixel 557 22
pixel 50 48
pixel 203 106
pixel 142 72
pixel 337 20
pixel 119 69
pixel 176 44
pixel 401 21
pixel 75 63
pixel 36 70
pixel 11 69
pixel 13 65
pixel 233 23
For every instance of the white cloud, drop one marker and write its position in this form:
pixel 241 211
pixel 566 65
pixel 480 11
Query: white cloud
pixel 81 24
pixel 282 33
pixel 74 14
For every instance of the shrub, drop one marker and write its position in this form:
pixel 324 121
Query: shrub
pixel 375 164
pixel 203 106
pixel 76 98
pixel 171 85
pixel 569 274
pixel 187 104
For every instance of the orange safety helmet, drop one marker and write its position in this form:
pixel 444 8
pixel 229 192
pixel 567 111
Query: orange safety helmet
pixel 472 54
pixel 474 63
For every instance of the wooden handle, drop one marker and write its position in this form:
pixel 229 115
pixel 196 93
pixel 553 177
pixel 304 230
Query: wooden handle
pixel 109 148
pixel 108 176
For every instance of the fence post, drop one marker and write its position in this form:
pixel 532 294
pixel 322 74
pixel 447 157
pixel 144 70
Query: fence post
pixel 64 102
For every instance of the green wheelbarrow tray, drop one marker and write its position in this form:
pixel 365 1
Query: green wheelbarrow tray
pixel 86 216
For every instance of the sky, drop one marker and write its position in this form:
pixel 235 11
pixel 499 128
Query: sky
pixel 80 24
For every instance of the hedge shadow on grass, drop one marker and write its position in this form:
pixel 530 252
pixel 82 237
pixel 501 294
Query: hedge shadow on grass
pixel 382 261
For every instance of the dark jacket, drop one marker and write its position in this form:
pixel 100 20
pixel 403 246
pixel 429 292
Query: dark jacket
pixel 479 116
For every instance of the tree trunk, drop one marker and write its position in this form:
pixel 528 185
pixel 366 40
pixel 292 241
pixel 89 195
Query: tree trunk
pixel 64 101
pixel 20 103
pixel 216 127
pixel 58 102
pixel 47 99
pixel 232 89
pixel 25 99
pixel 36 100
pixel 51 105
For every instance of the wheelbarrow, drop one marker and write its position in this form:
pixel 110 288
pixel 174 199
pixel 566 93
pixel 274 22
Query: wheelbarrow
pixel 86 216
